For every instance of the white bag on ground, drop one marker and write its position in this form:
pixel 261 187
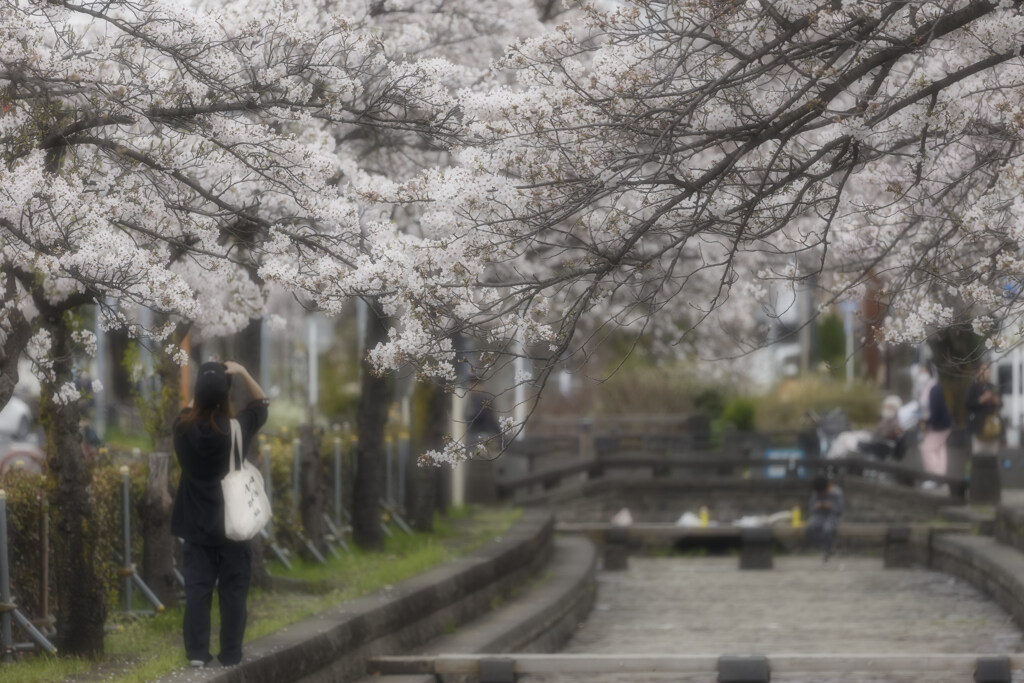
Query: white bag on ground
pixel 246 507
pixel 622 518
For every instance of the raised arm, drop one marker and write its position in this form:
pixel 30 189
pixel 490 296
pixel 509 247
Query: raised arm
pixel 236 369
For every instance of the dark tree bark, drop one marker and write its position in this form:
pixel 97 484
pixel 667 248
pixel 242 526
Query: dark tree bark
pixel 247 346
pixel 158 543
pixel 13 343
pixel 247 352
pixel 311 485
pixel 956 351
pixel 81 597
pixel 371 417
pixel 430 416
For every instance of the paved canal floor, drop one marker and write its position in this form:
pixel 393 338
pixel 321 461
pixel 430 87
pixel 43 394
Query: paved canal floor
pixel 802 606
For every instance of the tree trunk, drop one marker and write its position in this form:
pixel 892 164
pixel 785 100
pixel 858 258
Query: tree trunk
pixel 158 543
pixel 247 353
pixel 13 342
pixel 429 420
pixel 311 485
pixel 81 597
pixel 247 350
pixel 371 417
pixel 956 351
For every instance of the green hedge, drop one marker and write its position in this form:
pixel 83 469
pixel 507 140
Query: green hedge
pixel 25 493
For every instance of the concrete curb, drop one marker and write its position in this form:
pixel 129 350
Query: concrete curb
pixel 1009 526
pixel 540 618
pixel 530 623
pixel 983 520
pixel 992 567
pixel 340 639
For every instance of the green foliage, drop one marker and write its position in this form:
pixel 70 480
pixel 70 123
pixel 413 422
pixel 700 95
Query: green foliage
pixel 403 555
pixel 24 510
pixel 832 341
pixel 146 649
pixel 117 440
pixel 287 522
pixel 339 376
pixel 786 405
pixel 647 389
pixel 24 516
pixel 710 401
pixel 740 413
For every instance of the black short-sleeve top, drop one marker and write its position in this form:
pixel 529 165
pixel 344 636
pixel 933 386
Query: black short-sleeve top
pixel 202 451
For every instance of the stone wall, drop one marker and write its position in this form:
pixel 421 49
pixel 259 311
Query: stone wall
pixel 1009 526
pixel 334 645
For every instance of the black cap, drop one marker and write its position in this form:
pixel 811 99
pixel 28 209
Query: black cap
pixel 212 386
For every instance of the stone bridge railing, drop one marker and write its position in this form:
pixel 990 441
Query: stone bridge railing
pixel 722 466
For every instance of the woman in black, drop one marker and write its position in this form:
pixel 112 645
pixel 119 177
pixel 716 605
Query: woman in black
pixel 982 401
pixel 202 440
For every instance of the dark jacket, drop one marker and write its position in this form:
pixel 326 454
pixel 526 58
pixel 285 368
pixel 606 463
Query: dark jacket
pixel 976 410
pixel 202 450
pixel 834 498
pixel 939 418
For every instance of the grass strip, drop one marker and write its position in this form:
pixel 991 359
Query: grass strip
pixel 146 648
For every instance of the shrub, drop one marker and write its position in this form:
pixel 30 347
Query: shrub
pixel 786 405
pixel 740 413
pixel 24 510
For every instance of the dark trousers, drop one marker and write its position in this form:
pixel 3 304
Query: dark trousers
pixel 228 567
pixel 821 530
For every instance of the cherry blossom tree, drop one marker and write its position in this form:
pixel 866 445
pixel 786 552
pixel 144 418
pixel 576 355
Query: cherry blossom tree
pixel 453 41
pixel 147 149
pixel 676 163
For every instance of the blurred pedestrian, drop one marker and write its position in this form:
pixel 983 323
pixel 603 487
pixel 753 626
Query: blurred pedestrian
pixel 483 423
pixel 826 509
pixel 936 424
pixel 983 403
pixel 202 442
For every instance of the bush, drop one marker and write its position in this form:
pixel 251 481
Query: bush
pixel 740 413
pixel 786 405
pixel 24 510
pixel 832 342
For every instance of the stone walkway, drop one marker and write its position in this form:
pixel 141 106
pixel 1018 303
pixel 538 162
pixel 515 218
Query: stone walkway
pixel 848 606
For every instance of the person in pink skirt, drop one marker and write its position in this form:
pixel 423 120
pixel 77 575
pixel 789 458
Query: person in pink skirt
pixel 936 423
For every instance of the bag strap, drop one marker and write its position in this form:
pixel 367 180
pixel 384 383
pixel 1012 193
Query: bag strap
pixel 236 445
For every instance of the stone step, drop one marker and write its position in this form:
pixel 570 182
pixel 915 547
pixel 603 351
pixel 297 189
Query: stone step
pixel 540 617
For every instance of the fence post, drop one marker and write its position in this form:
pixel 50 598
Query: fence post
pixel 388 458
pixel 403 458
pixel 337 480
pixel 295 473
pixel 6 640
pixel 44 561
pixel 126 570
pixel 268 485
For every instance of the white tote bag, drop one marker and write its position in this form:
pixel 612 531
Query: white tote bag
pixel 246 507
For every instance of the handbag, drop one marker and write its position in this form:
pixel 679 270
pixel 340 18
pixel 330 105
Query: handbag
pixel 991 428
pixel 246 506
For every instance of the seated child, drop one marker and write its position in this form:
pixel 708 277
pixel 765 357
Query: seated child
pixel 825 510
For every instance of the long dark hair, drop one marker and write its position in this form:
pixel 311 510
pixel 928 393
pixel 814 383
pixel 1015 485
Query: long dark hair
pixel 196 415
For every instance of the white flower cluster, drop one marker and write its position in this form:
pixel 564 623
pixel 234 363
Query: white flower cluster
pixel 67 394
